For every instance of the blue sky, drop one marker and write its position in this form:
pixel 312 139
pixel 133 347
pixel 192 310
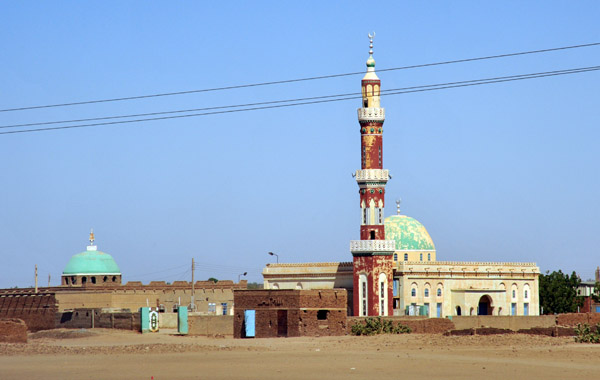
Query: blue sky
pixel 504 172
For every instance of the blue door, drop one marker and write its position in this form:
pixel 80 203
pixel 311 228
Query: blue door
pixel 249 323
pixel 597 309
pixel 439 310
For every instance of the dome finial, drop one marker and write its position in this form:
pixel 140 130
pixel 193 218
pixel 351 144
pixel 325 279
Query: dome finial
pixel 371 61
pixel 91 247
pixel 398 201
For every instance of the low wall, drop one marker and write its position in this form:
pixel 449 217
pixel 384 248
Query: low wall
pixel 513 323
pixel 95 318
pixel 418 325
pixel 35 309
pixel 210 325
pixel 574 318
pixel 13 330
pixel 167 320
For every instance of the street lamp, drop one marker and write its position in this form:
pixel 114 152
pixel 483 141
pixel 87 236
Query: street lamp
pixel 240 275
pixel 276 255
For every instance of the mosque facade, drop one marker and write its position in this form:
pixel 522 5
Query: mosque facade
pixel 394 268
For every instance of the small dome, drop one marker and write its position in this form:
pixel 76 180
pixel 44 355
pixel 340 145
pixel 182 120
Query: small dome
pixel 91 262
pixel 408 233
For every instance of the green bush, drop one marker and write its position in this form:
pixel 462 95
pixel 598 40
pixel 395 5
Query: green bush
pixel 374 326
pixel 586 334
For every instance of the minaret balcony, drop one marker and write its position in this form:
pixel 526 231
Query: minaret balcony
pixel 365 175
pixel 371 114
pixel 366 246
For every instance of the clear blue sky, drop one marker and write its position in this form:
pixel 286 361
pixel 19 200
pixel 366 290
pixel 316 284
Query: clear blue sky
pixel 504 172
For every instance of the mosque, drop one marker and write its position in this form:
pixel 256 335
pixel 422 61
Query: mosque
pixel 394 268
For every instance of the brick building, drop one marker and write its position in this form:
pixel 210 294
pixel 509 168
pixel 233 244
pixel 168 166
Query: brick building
pixel 290 313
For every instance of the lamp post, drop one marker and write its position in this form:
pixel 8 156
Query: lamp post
pixel 276 255
pixel 240 275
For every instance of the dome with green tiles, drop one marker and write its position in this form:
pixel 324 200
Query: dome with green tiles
pixel 91 261
pixel 409 234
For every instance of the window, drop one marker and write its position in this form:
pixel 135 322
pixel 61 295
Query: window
pixel 364 310
pixel 426 292
pixel 372 235
pixel 212 307
pixel 526 295
pixel 514 294
pixel 322 315
pixel 413 292
pixel 364 216
pixel 420 256
pixel 429 257
pixel 224 306
pixel 380 213
pixel 406 257
pixel 439 292
pixel 526 308
pixel 513 309
pixel 395 257
pixel 364 290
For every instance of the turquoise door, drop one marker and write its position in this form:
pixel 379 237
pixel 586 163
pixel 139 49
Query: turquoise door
pixel 249 323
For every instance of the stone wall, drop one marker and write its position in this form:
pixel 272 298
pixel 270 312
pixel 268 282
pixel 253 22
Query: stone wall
pixel 210 325
pixel 37 310
pixel 13 330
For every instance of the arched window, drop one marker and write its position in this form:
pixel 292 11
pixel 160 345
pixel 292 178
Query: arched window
pixel 429 257
pixel 395 257
pixel 406 257
pixel 426 292
pixel 439 292
pixel 421 257
pixel 413 292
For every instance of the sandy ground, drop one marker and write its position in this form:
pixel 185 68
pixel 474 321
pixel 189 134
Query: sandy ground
pixel 111 354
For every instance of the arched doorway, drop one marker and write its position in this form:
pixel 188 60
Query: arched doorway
pixel 458 311
pixel 485 305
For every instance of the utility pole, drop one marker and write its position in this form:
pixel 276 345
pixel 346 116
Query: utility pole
pixel 36 289
pixel 193 267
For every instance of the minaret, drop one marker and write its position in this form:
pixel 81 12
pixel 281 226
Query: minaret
pixel 372 255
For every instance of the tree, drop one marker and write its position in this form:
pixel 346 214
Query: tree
pixel 596 292
pixel 213 280
pixel 558 292
pixel 255 285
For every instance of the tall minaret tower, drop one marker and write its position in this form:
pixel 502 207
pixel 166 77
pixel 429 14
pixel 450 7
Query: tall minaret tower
pixel 372 255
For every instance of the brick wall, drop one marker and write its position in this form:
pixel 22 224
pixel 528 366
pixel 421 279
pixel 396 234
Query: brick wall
pixel 13 330
pixel 35 309
pixel 418 325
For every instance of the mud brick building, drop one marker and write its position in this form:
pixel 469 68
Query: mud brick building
pixel 291 313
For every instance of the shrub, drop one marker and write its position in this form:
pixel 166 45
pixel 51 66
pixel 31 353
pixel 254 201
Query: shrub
pixel 374 326
pixel 586 334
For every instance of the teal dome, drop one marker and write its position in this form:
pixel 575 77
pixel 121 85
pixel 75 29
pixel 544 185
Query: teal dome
pixel 91 262
pixel 408 233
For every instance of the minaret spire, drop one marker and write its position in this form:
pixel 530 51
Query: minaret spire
pixel 372 254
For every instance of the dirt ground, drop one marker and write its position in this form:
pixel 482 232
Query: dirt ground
pixel 112 354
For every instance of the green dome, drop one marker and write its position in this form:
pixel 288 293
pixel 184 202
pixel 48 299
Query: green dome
pixel 408 233
pixel 92 262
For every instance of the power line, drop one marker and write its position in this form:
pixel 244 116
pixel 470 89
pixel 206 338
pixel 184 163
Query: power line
pixel 299 79
pixel 407 90
pixel 266 102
